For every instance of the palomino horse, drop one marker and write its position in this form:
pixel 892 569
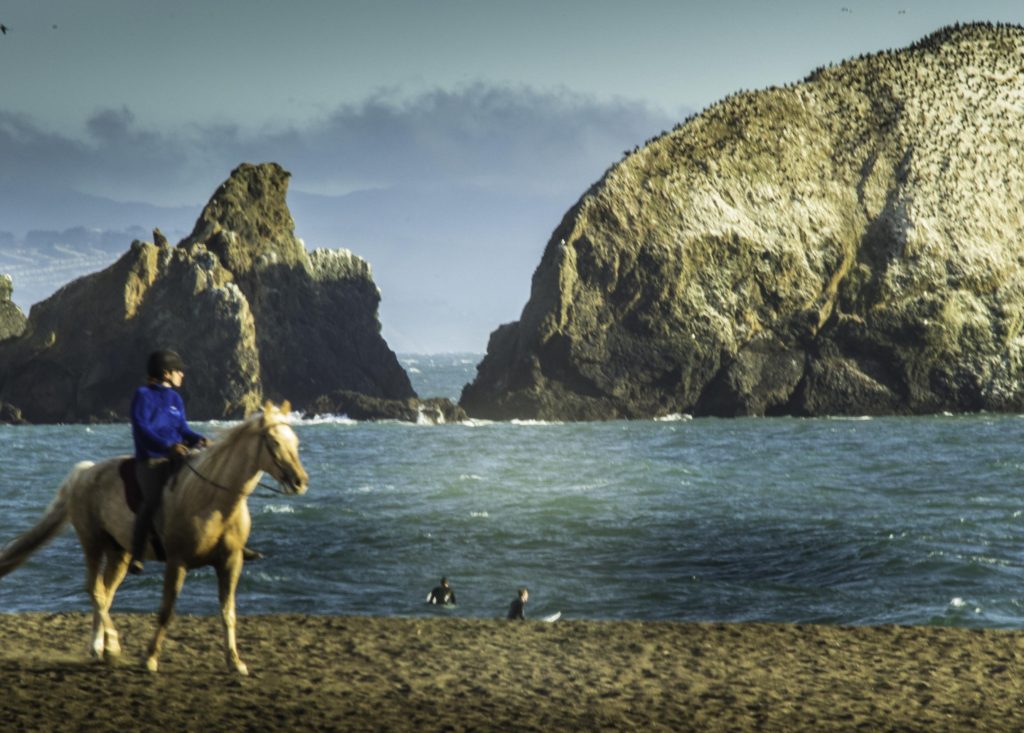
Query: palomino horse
pixel 203 520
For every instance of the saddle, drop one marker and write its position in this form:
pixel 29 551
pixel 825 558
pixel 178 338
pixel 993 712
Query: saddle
pixel 133 497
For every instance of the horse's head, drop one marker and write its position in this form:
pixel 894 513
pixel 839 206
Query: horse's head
pixel 279 453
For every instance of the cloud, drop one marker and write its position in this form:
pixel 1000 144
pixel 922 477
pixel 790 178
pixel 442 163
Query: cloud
pixel 480 135
pixel 495 137
pixel 451 195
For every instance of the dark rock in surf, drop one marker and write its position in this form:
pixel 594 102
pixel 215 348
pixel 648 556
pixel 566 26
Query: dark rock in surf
pixel 851 244
pixel 356 406
pixel 11 415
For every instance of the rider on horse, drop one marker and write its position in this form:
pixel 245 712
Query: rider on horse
pixel 162 439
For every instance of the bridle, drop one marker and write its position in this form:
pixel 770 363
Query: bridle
pixel 264 445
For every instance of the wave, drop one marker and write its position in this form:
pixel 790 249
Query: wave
pixel 278 509
pixel 674 417
pixel 325 420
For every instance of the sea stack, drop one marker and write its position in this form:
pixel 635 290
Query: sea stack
pixel 849 244
pixel 253 314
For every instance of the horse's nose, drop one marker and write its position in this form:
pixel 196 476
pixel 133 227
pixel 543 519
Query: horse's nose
pixel 300 482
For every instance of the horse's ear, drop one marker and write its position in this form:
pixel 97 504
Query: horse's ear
pixel 268 407
pixel 286 407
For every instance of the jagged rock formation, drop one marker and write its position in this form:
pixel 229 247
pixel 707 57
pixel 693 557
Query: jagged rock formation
pixel 316 313
pixel 12 320
pixel 851 244
pixel 252 314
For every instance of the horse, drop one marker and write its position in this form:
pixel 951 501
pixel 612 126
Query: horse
pixel 203 520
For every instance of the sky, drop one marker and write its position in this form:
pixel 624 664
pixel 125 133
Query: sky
pixel 442 140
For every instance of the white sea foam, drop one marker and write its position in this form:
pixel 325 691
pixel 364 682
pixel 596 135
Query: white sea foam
pixel 423 419
pixel 278 509
pixel 329 420
pixel 480 515
pixel 674 417
pixel 470 477
pixel 535 423
pixel 959 603
pixel 265 577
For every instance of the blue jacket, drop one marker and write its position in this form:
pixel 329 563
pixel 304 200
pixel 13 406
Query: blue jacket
pixel 158 421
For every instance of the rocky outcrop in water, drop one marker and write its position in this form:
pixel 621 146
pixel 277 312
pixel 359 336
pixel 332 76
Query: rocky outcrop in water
pixel 851 244
pixel 250 311
pixel 433 410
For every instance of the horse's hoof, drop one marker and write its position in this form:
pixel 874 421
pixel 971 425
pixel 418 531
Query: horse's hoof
pixel 152 665
pixel 242 669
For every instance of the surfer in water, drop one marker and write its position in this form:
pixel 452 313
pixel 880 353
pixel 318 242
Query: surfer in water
pixel 518 608
pixel 442 595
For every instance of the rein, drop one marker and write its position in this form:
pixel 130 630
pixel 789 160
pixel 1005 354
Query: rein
pixel 260 484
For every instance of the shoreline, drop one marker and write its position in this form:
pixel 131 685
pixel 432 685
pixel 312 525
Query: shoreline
pixel 426 674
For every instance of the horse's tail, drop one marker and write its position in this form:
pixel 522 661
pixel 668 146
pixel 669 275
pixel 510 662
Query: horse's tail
pixel 51 523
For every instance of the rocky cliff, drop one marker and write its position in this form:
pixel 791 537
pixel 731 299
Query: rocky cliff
pixel 849 244
pixel 250 311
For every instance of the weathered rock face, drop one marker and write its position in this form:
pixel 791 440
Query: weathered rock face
pixel 852 244
pixel 84 349
pixel 12 320
pixel 316 313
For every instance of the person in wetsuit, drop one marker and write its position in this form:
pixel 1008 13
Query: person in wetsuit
pixel 442 595
pixel 517 611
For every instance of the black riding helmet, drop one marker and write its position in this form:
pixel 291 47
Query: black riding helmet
pixel 164 361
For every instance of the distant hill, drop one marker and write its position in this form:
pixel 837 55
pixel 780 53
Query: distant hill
pixel 849 244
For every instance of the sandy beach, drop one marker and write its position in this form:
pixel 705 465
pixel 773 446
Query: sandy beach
pixel 443 674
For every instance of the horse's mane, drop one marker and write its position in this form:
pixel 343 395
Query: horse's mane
pixel 227 439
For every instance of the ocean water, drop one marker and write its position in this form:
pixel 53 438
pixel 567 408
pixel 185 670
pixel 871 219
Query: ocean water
pixel 839 521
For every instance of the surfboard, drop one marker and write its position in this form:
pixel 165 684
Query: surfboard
pixel 552 617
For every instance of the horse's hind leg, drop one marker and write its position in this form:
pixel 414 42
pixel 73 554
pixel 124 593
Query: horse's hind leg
pixel 227 581
pixel 115 568
pixel 174 578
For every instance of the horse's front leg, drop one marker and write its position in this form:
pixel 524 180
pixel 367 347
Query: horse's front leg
pixel 115 568
pixel 227 580
pixel 174 578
